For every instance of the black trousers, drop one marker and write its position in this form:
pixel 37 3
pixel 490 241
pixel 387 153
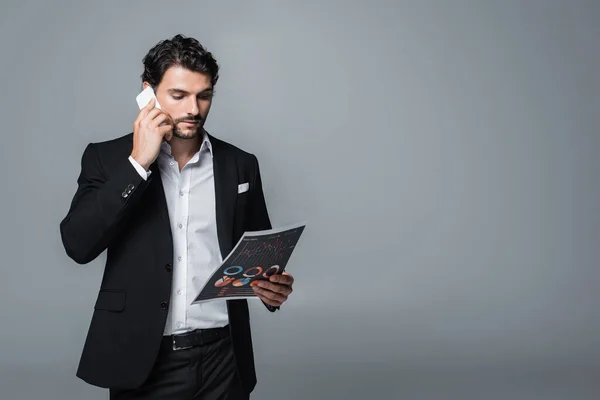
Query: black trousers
pixel 206 372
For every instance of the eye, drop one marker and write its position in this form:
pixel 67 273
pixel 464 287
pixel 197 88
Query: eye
pixel 177 97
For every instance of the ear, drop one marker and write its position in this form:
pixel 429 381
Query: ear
pixel 145 85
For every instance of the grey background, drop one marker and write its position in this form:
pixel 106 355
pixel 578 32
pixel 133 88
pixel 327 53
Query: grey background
pixel 444 154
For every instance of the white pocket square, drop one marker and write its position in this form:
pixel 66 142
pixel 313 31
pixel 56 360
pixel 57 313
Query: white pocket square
pixel 243 187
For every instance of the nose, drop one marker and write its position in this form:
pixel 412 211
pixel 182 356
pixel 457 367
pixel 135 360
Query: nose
pixel 193 106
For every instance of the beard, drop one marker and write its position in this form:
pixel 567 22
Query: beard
pixel 191 131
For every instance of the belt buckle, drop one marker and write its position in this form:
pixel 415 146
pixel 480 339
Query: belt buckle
pixel 175 347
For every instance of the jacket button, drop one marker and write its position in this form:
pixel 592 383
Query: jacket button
pixel 169 267
pixel 164 305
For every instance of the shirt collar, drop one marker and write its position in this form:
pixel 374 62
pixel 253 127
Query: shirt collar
pixel 206 144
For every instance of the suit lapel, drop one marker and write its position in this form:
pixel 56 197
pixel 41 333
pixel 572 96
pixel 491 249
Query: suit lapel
pixel 158 193
pixel 225 177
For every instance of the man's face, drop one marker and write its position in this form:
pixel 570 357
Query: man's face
pixel 186 96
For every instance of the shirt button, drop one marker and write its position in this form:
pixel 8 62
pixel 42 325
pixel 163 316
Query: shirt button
pixel 179 324
pixel 164 305
pixel 171 163
pixel 181 192
pixel 179 258
pixel 169 267
pixel 179 291
pixel 180 226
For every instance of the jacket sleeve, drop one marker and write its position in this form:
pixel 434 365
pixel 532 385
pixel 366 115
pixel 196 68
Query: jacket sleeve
pixel 99 206
pixel 258 215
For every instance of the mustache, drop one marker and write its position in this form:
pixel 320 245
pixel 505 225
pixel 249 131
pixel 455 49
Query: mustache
pixel 188 119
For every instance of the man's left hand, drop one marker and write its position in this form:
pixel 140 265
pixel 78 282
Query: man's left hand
pixel 276 290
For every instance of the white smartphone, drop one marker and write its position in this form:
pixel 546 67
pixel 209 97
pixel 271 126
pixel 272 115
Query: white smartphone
pixel 145 96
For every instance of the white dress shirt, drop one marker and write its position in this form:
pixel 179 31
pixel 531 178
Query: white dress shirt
pixel 190 195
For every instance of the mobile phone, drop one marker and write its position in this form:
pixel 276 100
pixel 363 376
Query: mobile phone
pixel 145 96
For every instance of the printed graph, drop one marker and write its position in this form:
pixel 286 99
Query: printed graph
pixel 256 257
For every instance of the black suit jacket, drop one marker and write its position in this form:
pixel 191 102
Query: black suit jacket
pixel 114 209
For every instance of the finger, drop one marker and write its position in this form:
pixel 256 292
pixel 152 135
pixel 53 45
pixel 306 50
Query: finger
pixel 144 111
pixel 160 119
pixel 285 279
pixel 274 295
pixel 166 131
pixel 268 301
pixel 275 287
pixel 271 296
pixel 150 104
pixel 160 112
pixel 152 114
pixel 170 119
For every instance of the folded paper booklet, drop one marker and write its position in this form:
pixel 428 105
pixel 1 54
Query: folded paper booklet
pixel 255 257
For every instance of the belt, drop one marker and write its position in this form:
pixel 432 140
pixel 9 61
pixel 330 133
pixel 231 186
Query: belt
pixel 196 337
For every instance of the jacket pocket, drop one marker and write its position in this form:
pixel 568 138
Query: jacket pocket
pixel 110 300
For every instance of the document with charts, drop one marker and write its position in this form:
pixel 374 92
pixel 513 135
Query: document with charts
pixel 255 257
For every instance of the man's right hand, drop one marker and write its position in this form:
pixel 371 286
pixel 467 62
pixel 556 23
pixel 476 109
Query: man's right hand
pixel 148 134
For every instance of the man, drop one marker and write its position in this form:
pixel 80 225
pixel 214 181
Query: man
pixel 165 202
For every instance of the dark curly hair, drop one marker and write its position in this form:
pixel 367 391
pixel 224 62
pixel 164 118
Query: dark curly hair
pixel 181 51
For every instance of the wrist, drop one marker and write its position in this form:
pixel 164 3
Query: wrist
pixel 144 164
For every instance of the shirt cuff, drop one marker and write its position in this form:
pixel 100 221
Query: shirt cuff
pixel 143 173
